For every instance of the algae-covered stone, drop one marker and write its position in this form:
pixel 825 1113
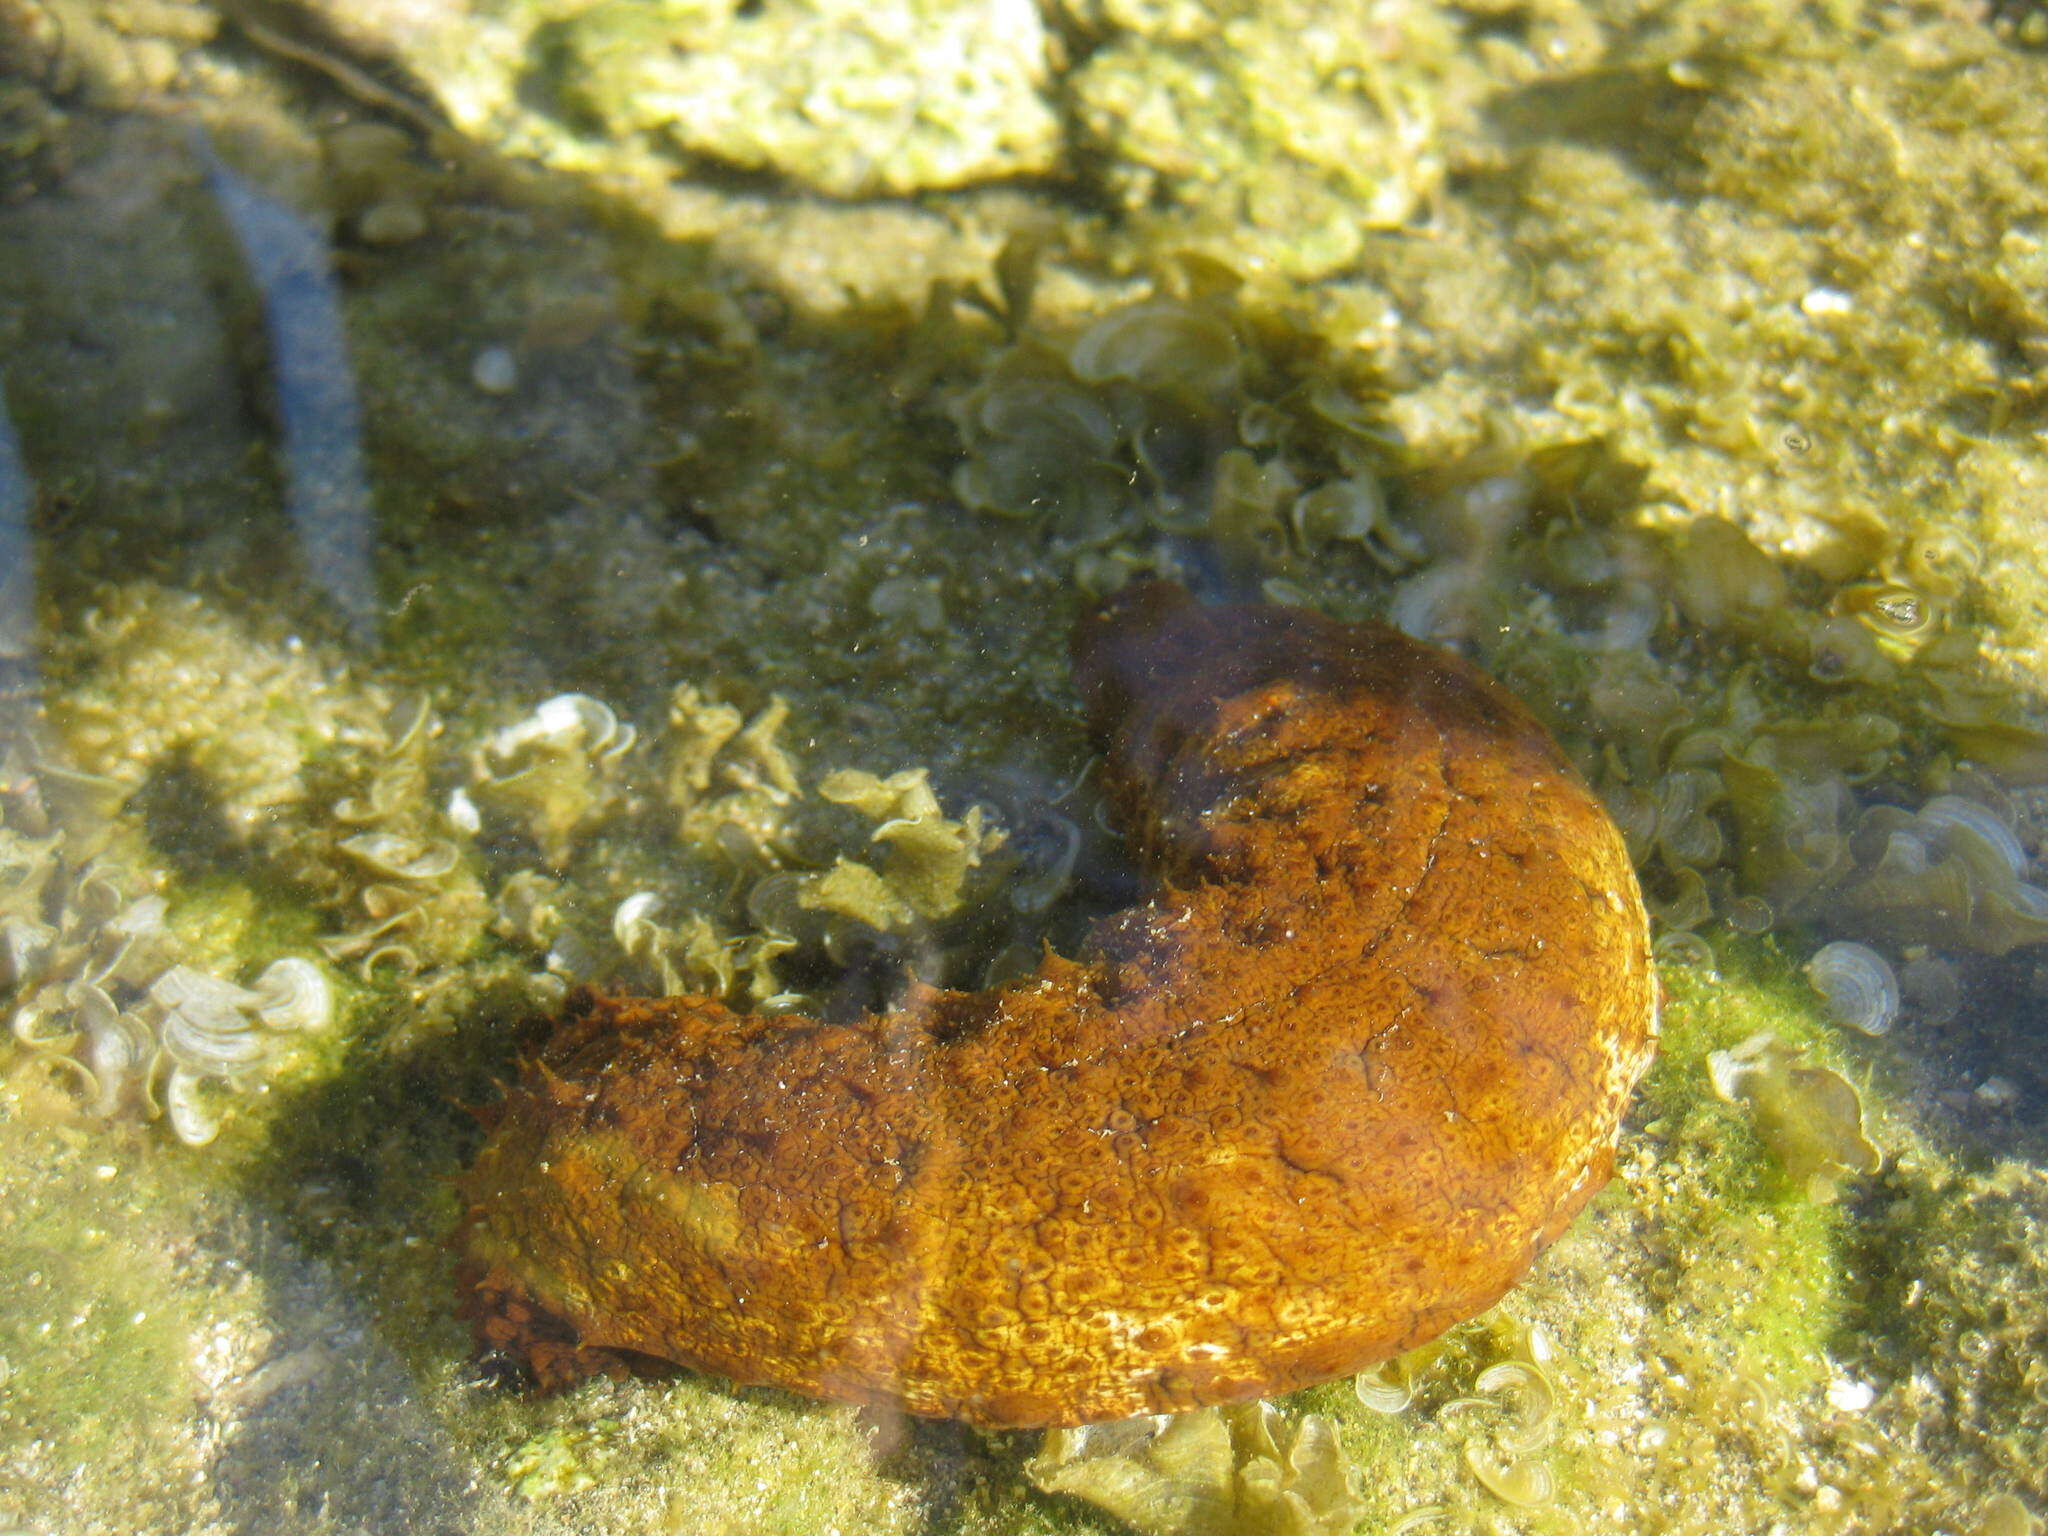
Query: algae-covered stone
pixel 1285 130
pixel 852 99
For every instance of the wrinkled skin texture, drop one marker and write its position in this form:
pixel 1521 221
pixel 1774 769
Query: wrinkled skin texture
pixel 1327 1092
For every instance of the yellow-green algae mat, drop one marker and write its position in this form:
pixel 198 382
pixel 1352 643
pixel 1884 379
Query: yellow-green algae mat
pixel 1710 1348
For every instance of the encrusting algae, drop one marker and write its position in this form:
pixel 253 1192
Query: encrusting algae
pixel 1329 1091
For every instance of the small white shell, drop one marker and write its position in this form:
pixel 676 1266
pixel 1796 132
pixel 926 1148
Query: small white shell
pixel 1856 984
pixel 292 993
pixel 118 1046
pixel 1440 602
pixel 206 1026
pixel 1386 1388
pixel 1943 812
pixel 192 1121
pixel 562 724
pixel 401 857
pixel 182 989
pixel 462 812
pixel 23 944
pixel 139 919
pixel 633 922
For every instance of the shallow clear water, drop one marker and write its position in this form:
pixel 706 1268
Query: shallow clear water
pixel 495 498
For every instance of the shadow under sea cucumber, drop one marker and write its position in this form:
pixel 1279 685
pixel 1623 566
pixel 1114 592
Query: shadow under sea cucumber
pixel 1359 1057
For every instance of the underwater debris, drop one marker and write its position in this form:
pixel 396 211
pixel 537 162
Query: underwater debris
pixel 1213 1472
pixel 560 1460
pixel 1931 987
pixel 1032 1152
pixel 327 488
pixel 1810 1117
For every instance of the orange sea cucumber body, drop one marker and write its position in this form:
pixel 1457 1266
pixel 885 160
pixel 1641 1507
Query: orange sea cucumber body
pixel 1328 1091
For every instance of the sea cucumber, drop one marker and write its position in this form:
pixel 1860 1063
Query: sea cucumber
pixel 1330 1089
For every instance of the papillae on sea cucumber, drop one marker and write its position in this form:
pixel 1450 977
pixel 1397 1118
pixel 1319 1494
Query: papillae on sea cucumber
pixel 1362 1053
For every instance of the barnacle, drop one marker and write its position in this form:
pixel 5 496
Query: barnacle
pixel 293 993
pixel 1843 650
pixel 1634 810
pixel 1688 905
pixel 1682 948
pixel 394 920
pixel 389 856
pixel 1940 562
pixel 1445 601
pixel 1353 509
pixel 1212 1472
pixel 915 601
pixel 1143 419
pixel 1631 693
pixel 1686 834
pixel 1393 1384
pixel 1748 914
pixel 1039 442
pixel 1857 744
pixel 65 930
pixel 377 181
pixel 1533 1395
pixel 1977 821
pixel 2015 752
pixel 526 909
pixel 1248 496
pixel 1044 851
pixel 1810 1117
pixel 1897 616
pixel 1856 984
pixel 1386 1388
